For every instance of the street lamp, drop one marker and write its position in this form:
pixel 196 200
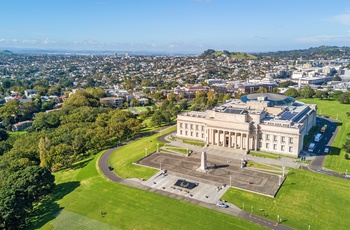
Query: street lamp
pixel 145 151
pixel 283 170
pixel 280 180
pixel 230 180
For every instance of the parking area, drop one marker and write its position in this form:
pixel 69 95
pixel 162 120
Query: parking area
pixel 214 182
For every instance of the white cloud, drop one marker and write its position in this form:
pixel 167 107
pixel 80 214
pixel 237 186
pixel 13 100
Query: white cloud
pixel 341 18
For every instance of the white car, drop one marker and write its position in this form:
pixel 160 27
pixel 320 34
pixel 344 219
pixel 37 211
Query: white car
pixel 326 150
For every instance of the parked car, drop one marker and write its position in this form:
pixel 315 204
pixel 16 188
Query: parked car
pixel 326 150
pixel 222 204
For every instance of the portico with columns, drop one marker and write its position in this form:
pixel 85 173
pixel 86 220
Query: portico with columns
pixel 237 139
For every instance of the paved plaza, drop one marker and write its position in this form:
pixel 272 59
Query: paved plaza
pixel 221 173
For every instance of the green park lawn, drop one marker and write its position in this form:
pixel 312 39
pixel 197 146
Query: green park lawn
pixel 122 159
pixel 305 198
pixel 332 108
pixel 81 194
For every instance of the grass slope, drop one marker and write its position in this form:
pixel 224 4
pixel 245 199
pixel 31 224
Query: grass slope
pixel 129 208
pixel 335 161
pixel 124 156
pixel 305 198
pixel 238 55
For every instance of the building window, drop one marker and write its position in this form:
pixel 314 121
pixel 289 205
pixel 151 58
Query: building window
pixel 291 140
pixel 180 132
pixel 274 138
pixel 260 144
pixel 191 126
pixel 185 126
pixel 290 149
pixel 283 139
pixel 202 135
pixel 191 134
pixel 180 125
pixel 260 135
pixel 274 147
pixel 282 148
pixel 202 128
pixel 267 145
pixel 196 134
pixel 267 137
pixel 196 127
pixel 185 133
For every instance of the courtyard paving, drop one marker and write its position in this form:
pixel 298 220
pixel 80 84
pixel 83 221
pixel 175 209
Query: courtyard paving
pixel 212 184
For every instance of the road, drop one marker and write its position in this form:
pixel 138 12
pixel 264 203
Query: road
pixel 104 164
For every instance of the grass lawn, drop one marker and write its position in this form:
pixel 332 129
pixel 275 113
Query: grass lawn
pixel 305 198
pixel 193 142
pixel 140 108
pixel 82 193
pixel 262 154
pixel 122 159
pixel 261 166
pixel 176 149
pixel 335 161
pixel 17 133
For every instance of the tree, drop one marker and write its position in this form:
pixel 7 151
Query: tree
pixel 262 90
pixel 336 94
pixel 306 92
pixel 157 119
pixel 79 99
pixel 96 92
pixel 44 146
pixel 321 94
pixel 3 135
pixel 183 105
pixel 344 98
pixel 291 92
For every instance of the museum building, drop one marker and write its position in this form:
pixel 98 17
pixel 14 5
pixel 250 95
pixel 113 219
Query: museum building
pixel 260 122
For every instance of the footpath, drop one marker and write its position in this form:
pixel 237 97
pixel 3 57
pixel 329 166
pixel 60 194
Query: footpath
pixel 234 211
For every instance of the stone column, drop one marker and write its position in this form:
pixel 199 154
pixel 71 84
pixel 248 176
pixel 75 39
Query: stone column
pixel 247 142
pixel 203 161
pixel 229 140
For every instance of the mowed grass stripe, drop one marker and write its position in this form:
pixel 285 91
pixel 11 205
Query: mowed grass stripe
pixel 70 220
pixel 131 208
pixel 305 198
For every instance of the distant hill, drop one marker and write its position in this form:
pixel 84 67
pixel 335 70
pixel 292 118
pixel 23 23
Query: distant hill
pixel 5 52
pixel 324 52
pixel 238 55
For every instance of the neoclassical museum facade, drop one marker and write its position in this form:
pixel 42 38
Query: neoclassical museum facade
pixel 260 122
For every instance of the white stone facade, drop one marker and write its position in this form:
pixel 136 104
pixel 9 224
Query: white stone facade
pixel 250 126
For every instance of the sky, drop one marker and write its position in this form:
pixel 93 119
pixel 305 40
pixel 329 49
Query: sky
pixel 189 26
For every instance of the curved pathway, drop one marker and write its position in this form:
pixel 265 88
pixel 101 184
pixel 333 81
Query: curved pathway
pixel 103 164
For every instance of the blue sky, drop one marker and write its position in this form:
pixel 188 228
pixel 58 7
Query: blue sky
pixel 174 25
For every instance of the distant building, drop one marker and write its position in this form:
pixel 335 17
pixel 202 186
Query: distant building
pixel 267 83
pixel 112 101
pixel 21 126
pixel 30 93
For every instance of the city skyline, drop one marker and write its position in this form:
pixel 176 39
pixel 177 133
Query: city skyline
pixel 190 26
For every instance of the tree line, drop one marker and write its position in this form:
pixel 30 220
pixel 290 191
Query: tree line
pixel 56 140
